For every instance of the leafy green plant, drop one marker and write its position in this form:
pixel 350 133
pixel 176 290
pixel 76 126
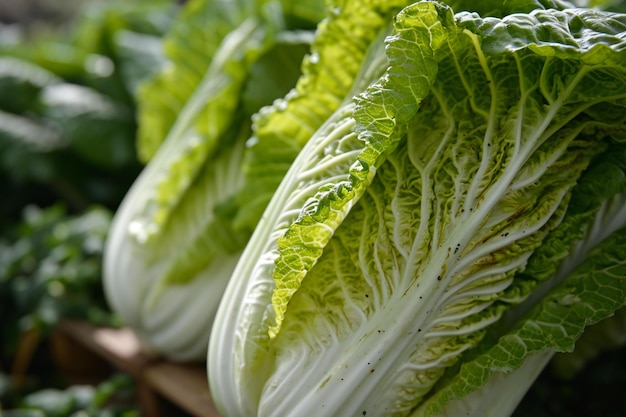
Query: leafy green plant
pixel 50 268
pixel 114 397
pixel 67 156
pixel 440 237
pixel 67 107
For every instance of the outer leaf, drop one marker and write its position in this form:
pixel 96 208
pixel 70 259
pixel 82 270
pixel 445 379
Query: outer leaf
pixel 593 292
pixel 190 45
pixel 601 338
pixel 597 211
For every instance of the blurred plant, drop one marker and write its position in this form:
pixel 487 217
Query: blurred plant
pixel 67 157
pixel 113 397
pixel 67 105
pixel 50 268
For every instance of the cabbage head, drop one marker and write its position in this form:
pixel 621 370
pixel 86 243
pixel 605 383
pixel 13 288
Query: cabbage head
pixel 444 233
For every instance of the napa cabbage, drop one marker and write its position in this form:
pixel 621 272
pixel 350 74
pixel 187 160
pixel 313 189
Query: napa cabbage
pixel 440 236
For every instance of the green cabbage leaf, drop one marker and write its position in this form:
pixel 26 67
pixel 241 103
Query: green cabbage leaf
pixel 461 219
pixel 580 272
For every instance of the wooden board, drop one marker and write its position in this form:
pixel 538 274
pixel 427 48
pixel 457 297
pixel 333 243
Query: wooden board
pixel 184 385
